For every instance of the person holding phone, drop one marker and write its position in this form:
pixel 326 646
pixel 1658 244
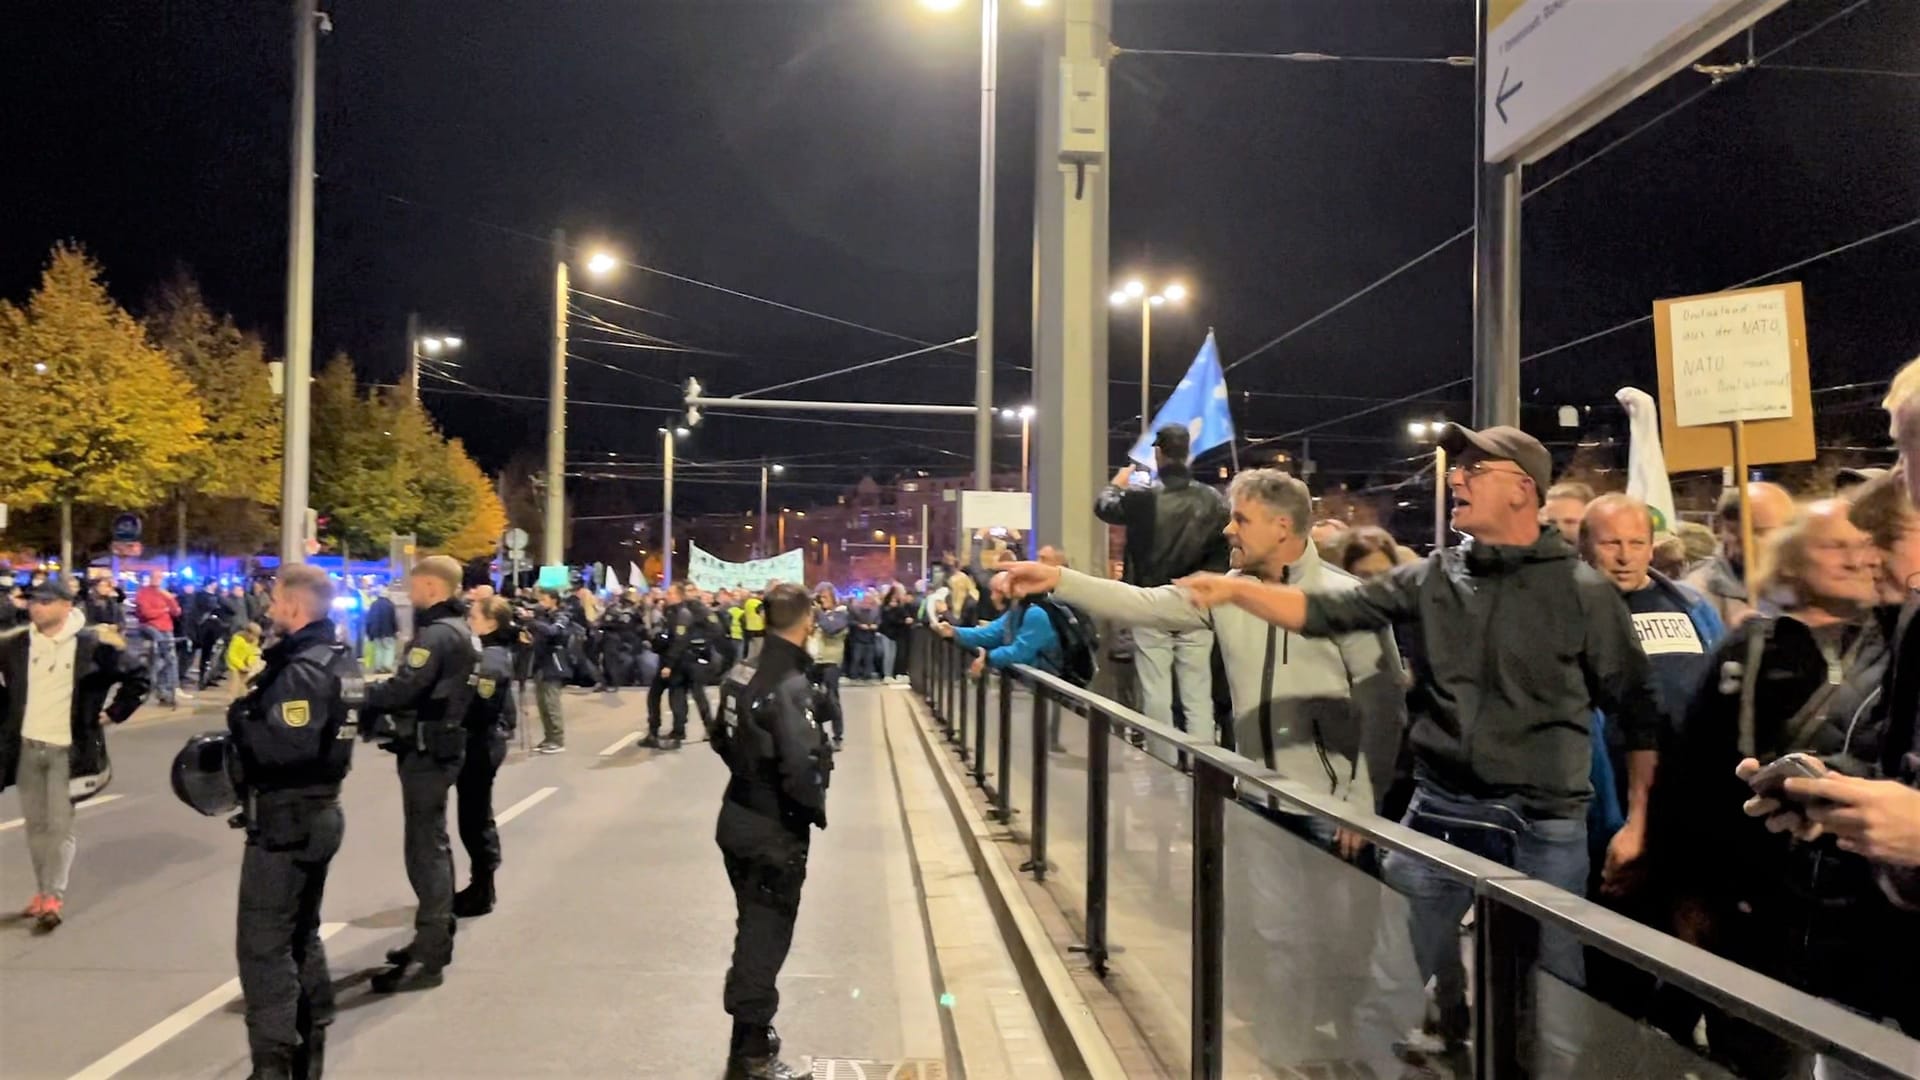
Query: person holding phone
pixel 1796 694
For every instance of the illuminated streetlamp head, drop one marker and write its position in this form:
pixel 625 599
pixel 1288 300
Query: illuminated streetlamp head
pixel 1136 288
pixel 1175 292
pixel 1118 298
pixel 430 346
pixel 601 263
pixel 1026 412
pixel 451 342
pixel 680 433
pixel 778 469
pixel 1157 301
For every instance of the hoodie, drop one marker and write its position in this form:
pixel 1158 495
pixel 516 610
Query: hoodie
pixel 1517 645
pixel 1315 710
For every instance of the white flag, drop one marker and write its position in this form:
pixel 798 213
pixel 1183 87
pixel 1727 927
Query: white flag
pixel 1646 462
pixel 634 575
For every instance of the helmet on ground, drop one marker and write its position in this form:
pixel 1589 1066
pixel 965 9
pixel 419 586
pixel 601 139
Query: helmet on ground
pixel 203 774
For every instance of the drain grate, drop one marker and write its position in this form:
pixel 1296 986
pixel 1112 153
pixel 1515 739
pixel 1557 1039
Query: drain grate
pixel 863 1069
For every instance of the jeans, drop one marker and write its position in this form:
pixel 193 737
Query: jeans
pixel 165 662
pixel 860 659
pixel 1553 850
pixel 889 655
pixel 1158 657
pixel 43 774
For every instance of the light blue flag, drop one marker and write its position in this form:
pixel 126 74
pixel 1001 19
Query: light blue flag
pixel 1199 404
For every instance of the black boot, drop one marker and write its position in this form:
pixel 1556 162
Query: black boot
pixel 404 977
pixel 477 898
pixel 651 740
pixel 272 1065
pixel 310 1060
pixel 756 1055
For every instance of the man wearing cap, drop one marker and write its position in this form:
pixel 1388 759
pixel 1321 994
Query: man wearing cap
pixel 1517 642
pixel 426 701
pixel 55 673
pixel 1173 529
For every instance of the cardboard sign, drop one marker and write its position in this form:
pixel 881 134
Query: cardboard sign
pixel 1734 356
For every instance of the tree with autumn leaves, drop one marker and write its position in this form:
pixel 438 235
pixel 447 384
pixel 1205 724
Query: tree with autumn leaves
pixel 178 412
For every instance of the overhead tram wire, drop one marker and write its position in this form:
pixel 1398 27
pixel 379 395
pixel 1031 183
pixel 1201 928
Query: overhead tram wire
pixel 850 369
pixel 1584 338
pixel 1300 57
pixel 1547 183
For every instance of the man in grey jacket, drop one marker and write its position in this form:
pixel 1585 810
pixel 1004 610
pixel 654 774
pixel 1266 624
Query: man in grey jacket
pixel 1314 709
pixel 1174 528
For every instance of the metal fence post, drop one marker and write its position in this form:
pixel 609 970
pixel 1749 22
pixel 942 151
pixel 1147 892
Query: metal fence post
pixel 1211 790
pixel 1099 743
pixel 979 705
pixel 1502 941
pixel 1003 789
pixel 1037 821
pixel 980 732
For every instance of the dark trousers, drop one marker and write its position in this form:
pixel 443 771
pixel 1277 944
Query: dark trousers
pixel 676 687
pixel 478 835
pixel 829 676
pixel 424 784
pixel 862 659
pixel 283 968
pixel 766 871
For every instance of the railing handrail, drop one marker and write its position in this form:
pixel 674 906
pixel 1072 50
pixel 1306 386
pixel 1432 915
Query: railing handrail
pixel 1821 1025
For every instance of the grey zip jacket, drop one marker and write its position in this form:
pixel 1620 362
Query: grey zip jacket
pixel 1313 709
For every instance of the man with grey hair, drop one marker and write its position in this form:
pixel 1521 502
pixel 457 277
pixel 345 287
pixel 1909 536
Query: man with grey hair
pixel 1299 705
pixel 1173 529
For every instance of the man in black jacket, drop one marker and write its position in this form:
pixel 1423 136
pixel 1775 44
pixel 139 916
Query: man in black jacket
pixel 780 764
pixel 1519 641
pixel 1174 529
pixel 293 754
pixel 424 706
pixel 55 674
pixel 693 636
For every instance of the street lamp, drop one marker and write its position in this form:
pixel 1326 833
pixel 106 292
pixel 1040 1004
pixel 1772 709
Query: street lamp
pixel 597 264
pixel 1424 429
pixel 774 469
pixel 1135 291
pixel 667 435
pixel 983 269
pixel 1025 415
pixel 418 346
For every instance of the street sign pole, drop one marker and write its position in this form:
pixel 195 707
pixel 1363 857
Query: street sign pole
pixel 1496 259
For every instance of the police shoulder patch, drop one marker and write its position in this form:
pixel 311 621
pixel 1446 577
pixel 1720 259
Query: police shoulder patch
pixel 418 656
pixel 295 714
pixel 485 687
pixel 679 630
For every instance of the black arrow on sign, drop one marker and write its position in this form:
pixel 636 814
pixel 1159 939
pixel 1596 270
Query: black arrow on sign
pixel 1501 95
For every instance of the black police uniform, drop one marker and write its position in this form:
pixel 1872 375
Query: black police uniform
pixel 780 763
pixel 427 701
pixel 293 754
pixel 691 640
pixel 490 721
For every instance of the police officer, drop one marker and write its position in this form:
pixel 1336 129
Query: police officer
pixel 688 650
pixel 490 722
pixel 421 712
pixel 292 753
pixel 780 762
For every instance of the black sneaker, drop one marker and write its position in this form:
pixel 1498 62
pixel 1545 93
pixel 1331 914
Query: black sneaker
pixel 761 1068
pixel 474 900
pixel 650 740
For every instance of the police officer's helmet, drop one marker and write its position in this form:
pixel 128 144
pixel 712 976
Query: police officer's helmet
pixel 203 774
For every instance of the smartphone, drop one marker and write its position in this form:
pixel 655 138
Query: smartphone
pixel 1771 778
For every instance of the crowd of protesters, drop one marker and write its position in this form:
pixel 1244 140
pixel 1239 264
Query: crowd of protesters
pixel 1570 691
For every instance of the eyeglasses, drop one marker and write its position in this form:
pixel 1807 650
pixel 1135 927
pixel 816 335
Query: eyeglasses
pixel 1476 469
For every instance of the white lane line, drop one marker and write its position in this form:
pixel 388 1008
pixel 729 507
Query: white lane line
pixel 621 743
pixel 97 800
pixel 522 806
pixel 159 1034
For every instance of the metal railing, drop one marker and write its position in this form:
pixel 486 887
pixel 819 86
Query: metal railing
pixel 1253 844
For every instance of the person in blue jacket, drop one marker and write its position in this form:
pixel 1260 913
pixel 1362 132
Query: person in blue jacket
pixel 1023 634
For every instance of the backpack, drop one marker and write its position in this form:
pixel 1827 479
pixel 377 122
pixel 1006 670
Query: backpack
pixel 1079 641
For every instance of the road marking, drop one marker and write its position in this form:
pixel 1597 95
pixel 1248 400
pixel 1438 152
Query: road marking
pixel 97 800
pixel 621 743
pixel 522 806
pixel 159 1034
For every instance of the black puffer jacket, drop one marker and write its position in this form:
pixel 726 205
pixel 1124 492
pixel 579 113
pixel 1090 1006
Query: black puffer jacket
pixel 1173 530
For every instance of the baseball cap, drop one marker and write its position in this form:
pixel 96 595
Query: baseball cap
pixel 1503 444
pixel 1173 438
pixel 54 588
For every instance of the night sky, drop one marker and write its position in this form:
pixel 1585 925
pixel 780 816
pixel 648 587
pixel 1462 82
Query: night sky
pixel 821 153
